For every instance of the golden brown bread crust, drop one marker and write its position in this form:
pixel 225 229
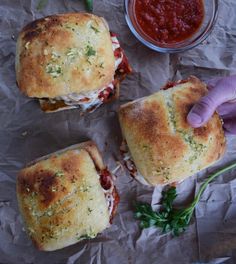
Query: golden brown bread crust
pixel 163 146
pixel 94 153
pixel 120 74
pixel 64 54
pixel 61 199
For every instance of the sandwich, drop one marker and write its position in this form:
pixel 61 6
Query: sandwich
pixel 70 61
pixel 66 197
pixel 159 146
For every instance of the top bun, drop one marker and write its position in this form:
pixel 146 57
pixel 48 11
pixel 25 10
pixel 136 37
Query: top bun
pixel 63 54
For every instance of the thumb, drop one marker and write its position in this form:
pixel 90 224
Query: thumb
pixel 202 111
pixel 205 108
pixel 230 126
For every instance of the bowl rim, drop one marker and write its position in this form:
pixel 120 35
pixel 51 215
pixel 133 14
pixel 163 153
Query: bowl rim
pixel 195 42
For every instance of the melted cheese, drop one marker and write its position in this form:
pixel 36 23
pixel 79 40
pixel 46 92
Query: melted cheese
pixel 93 98
pixel 131 166
pixel 115 43
pixel 109 198
pixel 118 61
pixel 93 101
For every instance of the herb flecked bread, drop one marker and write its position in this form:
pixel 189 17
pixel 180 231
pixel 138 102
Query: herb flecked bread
pixel 66 197
pixel 69 61
pixel 162 145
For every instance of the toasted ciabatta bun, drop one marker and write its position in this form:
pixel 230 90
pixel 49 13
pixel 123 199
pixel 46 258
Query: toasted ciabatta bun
pixel 66 197
pixel 67 60
pixel 163 146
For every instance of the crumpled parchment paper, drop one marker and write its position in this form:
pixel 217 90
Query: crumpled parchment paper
pixel 26 133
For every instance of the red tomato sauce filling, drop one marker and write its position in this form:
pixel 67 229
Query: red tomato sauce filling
pixel 123 68
pixel 106 183
pixel 173 84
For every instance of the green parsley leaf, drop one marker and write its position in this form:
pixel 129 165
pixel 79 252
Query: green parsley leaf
pixel 89 210
pixel 41 4
pixel 54 70
pixel 170 219
pixel 89 5
pixel 90 51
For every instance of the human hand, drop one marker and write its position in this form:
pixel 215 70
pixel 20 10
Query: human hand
pixel 221 98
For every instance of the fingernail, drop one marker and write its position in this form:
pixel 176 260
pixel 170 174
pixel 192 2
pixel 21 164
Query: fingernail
pixel 194 119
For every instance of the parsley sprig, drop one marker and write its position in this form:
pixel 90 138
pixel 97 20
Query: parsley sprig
pixel 89 5
pixel 170 219
pixel 41 4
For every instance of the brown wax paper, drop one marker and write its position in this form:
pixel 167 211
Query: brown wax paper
pixel 27 133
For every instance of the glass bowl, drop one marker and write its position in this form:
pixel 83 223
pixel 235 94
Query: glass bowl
pixel 211 13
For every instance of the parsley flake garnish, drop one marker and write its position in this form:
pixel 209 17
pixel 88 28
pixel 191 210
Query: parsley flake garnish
pixel 54 70
pixel 94 29
pixel 72 53
pixel 90 210
pixel 90 51
pixel 59 174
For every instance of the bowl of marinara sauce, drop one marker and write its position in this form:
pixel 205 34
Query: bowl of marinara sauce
pixel 171 26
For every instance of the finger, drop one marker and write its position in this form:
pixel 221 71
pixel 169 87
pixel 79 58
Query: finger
pixel 201 111
pixel 230 126
pixel 204 109
pixel 227 109
pixel 213 82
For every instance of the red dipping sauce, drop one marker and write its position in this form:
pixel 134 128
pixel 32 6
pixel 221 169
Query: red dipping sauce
pixel 169 21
